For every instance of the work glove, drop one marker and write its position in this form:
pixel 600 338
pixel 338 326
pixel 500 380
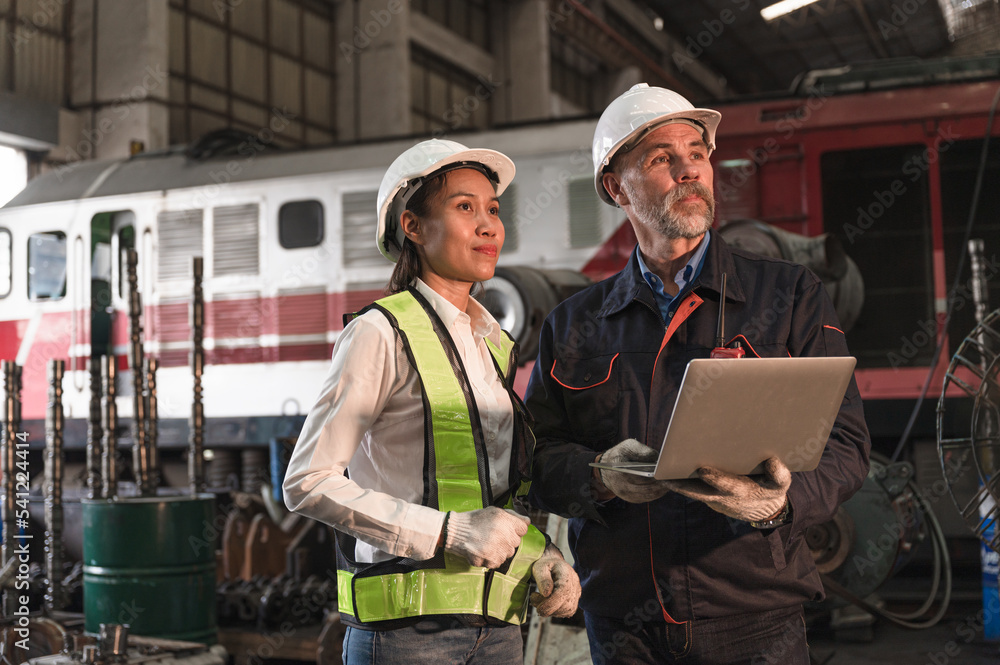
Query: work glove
pixel 558 585
pixel 628 486
pixel 486 537
pixel 740 497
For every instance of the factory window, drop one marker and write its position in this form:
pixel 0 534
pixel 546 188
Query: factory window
pixel 236 241
pixel 359 220
pixel 300 224
pixel 47 266
pixel 959 167
pixel 508 215
pixel 264 68
pixel 878 204
pixel 444 97
pixel 180 240
pixel 584 214
pixel 573 73
pixel 6 262
pixel 468 18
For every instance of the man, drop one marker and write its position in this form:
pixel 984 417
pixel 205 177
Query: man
pixel 713 570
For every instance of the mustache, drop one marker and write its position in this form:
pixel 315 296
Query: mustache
pixel 685 189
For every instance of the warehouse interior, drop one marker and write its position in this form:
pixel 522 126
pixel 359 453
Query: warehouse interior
pixel 187 201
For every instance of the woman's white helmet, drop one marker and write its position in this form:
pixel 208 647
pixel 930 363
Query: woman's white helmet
pixel 410 170
pixel 637 112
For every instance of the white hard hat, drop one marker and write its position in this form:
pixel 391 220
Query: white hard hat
pixel 407 173
pixel 637 112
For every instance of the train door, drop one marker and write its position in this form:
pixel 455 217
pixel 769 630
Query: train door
pixel 112 234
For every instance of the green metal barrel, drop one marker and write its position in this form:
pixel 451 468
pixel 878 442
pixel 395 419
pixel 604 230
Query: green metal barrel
pixel 150 562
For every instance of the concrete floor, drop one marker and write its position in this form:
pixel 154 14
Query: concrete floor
pixel 948 643
pixel 956 640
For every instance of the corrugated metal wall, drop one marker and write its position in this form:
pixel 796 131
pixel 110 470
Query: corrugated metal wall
pixel 262 66
pixel 33 43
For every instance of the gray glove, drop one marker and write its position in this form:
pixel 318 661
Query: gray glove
pixel 486 537
pixel 740 497
pixel 628 486
pixel 558 585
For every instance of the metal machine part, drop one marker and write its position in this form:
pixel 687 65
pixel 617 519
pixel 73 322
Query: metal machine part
pixel 872 536
pixel 973 376
pixel 824 255
pixel 520 297
pixel 114 644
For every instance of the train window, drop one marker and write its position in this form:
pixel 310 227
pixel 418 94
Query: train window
pixel 6 262
pixel 584 214
pixel 47 266
pixel 508 214
pixel 300 224
pixel 236 245
pixel 959 166
pixel 359 220
pixel 877 202
pixel 180 239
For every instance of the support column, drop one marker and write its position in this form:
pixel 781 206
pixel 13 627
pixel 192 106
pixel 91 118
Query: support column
pixel 119 77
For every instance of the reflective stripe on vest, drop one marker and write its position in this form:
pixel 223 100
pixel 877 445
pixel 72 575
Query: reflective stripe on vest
pixel 458 588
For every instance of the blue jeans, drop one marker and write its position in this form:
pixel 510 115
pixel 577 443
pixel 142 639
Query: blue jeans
pixel 426 643
pixel 776 637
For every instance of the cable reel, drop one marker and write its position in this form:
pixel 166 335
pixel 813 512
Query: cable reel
pixel 972 378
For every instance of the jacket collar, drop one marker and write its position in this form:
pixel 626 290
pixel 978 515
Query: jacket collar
pixel 629 285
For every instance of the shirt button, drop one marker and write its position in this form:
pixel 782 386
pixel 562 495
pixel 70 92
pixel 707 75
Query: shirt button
pixel 670 314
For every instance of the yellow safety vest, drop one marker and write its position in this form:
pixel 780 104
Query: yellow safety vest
pixel 447 584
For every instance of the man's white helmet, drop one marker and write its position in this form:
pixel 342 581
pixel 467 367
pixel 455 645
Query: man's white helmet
pixel 637 112
pixel 407 173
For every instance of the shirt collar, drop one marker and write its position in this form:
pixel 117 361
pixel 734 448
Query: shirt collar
pixel 475 315
pixel 685 275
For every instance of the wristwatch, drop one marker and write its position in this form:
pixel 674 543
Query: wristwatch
pixel 783 517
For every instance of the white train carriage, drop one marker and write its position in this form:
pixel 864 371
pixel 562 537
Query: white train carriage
pixel 288 247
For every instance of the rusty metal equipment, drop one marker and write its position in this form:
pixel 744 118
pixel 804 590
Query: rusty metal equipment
pixel 55 595
pixel 196 424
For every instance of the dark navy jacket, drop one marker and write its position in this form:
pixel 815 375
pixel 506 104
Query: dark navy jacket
pixel 608 369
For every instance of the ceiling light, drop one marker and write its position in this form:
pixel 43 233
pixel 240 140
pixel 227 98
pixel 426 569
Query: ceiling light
pixel 782 8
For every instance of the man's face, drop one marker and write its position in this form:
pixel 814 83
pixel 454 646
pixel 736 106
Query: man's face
pixel 666 182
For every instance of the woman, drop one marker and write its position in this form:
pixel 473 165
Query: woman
pixel 417 408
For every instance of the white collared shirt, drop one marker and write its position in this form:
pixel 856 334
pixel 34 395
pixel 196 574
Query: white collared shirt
pixel 369 419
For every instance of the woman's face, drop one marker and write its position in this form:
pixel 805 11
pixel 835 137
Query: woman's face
pixel 461 237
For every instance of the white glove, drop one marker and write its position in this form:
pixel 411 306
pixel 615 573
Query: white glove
pixel 558 585
pixel 628 486
pixel 740 497
pixel 486 537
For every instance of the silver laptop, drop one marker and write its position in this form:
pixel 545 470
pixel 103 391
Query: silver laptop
pixel 733 414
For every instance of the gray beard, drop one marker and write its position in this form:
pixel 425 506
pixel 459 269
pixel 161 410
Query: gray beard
pixel 673 219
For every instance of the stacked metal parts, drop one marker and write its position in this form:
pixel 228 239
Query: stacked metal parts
pixel 156 559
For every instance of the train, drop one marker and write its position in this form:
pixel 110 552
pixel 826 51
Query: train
pixel 879 161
